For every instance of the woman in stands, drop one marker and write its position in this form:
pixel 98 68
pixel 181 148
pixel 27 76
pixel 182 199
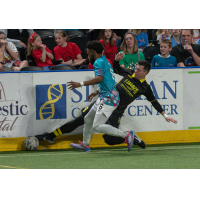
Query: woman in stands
pixel 41 54
pixel 10 54
pixel 66 51
pixel 175 37
pixel 163 34
pixel 131 54
pixel 141 36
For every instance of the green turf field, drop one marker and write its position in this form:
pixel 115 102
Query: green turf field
pixel 168 156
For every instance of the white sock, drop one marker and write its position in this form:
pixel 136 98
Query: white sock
pixel 123 133
pixel 86 142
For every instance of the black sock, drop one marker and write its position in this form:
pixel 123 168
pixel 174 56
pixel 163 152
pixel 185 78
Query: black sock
pixel 68 127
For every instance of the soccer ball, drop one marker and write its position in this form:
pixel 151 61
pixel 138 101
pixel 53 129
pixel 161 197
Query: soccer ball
pixel 31 143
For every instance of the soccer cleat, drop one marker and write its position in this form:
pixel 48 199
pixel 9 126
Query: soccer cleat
pixel 129 139
pixel 49 139
pixel 45 137
pixel 139 142
pixel 80 146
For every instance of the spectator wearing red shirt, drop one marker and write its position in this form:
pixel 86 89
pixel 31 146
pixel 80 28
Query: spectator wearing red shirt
pixel 41 54
pixel 109 44
pixel 106 38
pixel 66 51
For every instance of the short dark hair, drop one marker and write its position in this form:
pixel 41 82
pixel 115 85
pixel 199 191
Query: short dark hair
pixel 191 31
pixel 146 64
pixel 96 46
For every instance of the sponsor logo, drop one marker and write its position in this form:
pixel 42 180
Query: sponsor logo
pixel 10 111
pixel 51 102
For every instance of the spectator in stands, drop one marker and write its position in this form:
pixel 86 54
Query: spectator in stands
pixel 130 48
pixel 66 51
pixel 141 36
pixel 18 37
pixel 187 54
pixel 118 35
pixel 1 60
pixel 198 41
pixel 175 37
pixel 196 35
pixel 11 56
pixel 41 54
pixel 94 34
pixel 106 38
pixel 163 34
pixel 164 60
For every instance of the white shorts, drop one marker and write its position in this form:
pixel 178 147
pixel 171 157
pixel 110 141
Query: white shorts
pixel 104 108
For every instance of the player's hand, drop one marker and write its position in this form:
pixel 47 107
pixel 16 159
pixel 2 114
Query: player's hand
pixel 92 95
pixel 71 85
pixel 119 56
pixel 169 119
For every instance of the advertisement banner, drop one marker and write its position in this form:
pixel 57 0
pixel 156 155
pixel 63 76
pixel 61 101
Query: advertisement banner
pixel 167 86
pixel 36 103
pixel 191 99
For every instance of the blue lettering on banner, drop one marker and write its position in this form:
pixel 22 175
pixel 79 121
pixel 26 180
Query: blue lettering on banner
pixel 166 85
pixel 139 110
pixel 73 112
pixel 79 95
pixel 143 110
pixel 51 102
pixel 13 109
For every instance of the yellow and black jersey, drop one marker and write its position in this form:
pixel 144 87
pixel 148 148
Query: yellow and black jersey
pixel 130 88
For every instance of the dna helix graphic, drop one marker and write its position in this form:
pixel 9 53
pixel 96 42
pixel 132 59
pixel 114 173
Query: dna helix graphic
pixel 52 98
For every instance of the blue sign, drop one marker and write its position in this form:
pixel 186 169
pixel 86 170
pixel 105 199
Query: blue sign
pixel 51 102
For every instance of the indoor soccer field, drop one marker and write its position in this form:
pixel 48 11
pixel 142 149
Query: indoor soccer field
pixel 167 156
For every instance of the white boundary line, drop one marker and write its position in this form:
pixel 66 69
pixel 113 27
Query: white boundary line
pixel 95 151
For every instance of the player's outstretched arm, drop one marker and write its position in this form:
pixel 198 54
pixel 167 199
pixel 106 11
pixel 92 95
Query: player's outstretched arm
pixel 168 119
pixel 71 85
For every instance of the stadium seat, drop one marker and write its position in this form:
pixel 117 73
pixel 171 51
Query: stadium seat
pixel 30 59
pixel 85 31
pixel 74 33
pixel 63 68
pixel 21 51
pixel 150 51
pixel 81 42
pixel 84 67
pixel 7 69
pixel 42 32
pixel 154 34
pixel 31 68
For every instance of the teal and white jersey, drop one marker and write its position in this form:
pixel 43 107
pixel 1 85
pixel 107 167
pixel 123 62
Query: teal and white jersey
pixel 108 91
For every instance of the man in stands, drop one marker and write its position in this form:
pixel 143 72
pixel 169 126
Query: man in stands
pixel 187 54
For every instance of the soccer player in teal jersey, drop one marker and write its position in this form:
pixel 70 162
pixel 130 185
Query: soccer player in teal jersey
pixel 107 102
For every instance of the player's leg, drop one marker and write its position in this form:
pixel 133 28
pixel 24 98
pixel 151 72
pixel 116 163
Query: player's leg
pixel 114 120
pixel 87 130
pixel 102 115
pixel 66 128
